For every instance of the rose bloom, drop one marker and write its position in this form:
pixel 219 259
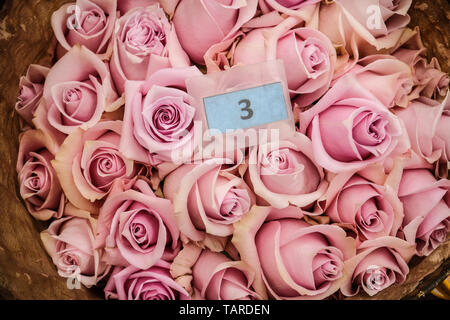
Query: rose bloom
pixel 39 185
pixel 349 128
pixel 427 122
pixel 207 200
pixel 308 55
pixel 159 118
pixel 31 87
pixel 86 22
pixel 292 259
pixel 77 90
pixel 201 24
pixel 285 173
pixel 426 204
pixel 88 163
pixel 154 283
pixel 136 227
pixel 378 264
pixel 70 243
pixel 211 275
pixel 144 42
pixel 374 210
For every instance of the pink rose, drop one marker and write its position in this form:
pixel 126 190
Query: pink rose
pixel 374 210
pixel 70 243
pixel 292 259
pixel 85 22
pixel 126 5
pixel 154 283
pixel 136 227
pixel 77 91
pixel 88 162
pixel 159 118
pixel 426 204
pixel 39 185
pixel 211 275
pixel 144 42
pixel 308 56
pixel 201 24
pixel 31 88
pixel 379 263
pixel 388 79
pixel 207 200
pixel 285 173
pixel 427 122
pixel 350 128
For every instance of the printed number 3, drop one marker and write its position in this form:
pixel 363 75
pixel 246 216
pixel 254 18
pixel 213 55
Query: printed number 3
pixel 247 108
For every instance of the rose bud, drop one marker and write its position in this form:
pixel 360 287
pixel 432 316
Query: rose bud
pixel 201 24
pixel 31 88
pixel 292 259
pixel 285 173
pixel 349 128
pixel 211 275
pixel 88 162
pixel 154 283
pixel 39 185
pixel 159 118
pixel 77 91
pixel 70 243
pixel 374 210
pixel 136 227
pixel 144 42
pixel 308 57
pixel 427 122
pixel 378 264
pixel 85 22
pixel 207 200
pixel 426 204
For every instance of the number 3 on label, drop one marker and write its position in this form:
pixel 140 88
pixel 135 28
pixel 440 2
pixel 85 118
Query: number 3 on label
pixel 247 108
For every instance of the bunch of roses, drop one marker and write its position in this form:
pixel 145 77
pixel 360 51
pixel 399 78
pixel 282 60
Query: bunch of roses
pixel 343 205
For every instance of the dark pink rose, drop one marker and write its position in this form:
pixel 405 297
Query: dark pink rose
pixel 85 22
pixel 39 185
pixel 31 87
pixel 211 275
pixel 292 259
pixel 136 227
pixel 154 283
pixel 350 128
pixel 378 264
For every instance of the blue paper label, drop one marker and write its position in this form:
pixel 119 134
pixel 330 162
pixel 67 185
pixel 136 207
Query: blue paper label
pixel 246 108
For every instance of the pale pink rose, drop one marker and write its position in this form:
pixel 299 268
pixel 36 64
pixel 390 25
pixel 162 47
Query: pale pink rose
pixel 144 42
pixel 426 204
pixel 390 80
pixel 209 275
pixel 136 227
pixel 379 263
pixel 373 210
pixel 38 183
pixel 31 87
pixel 70 243
pixel 427 123
pixel 308 55
pixel 201 24
pixel 285 173
pixel 292 259
pixel 88 162
pixel 126 5
pixel 350 128
pixel 207 200
pixel 85 22
pixel 154 283
pixel 159 117
pixel 77 90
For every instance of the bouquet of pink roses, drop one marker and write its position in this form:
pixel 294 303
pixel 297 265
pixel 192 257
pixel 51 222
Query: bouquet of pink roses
pixel 338 207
